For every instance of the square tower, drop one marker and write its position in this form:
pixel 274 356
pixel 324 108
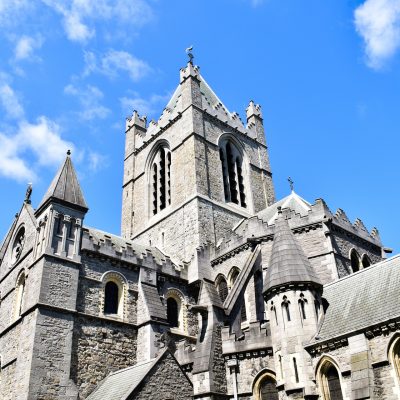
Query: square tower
pixel 190 177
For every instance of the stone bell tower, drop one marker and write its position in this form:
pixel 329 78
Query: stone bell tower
pixel 191 176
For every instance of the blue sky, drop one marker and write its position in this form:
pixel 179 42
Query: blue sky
pixel 325 72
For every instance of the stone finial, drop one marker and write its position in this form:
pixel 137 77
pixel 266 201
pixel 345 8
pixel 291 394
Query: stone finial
pixel 136 119
pixel 358 224
pixel 253 110
pixel 375 233
pixel 189 71
pixel 29 193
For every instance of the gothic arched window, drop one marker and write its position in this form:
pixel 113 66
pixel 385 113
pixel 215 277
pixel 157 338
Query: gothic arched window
pixel 354 260
pixel 173 312
pixel 113 292
pixel 222 288
pixel 268 390
pixel 302 305
pixel 18 245
pixel 366 262
pixel 19 294
pixel 232 173
pixel 161 179
pixel 286 308
pixel 329 380
pixel 111 298
pixel 395 357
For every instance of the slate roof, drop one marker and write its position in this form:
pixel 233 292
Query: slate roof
pixel 288 263
pixel 360 300
pixel 153 302
pixel 65 187
pixel 120 384
pixel 293 201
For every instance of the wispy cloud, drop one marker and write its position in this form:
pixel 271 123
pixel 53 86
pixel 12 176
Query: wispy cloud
pixel 25 47
pixel 378 23
pixel 41 139
pixel 143 106
pixel 79 16
pixel 9 100
pixel 90 100
pixel 113 62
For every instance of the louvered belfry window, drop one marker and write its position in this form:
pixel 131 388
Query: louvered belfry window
pixel 161 179
pixel 232 173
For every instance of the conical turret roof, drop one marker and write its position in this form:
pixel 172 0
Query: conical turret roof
pixel 65 188
pixel 288 263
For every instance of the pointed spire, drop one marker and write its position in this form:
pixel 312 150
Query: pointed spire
pixel 288 263
pixel 65 188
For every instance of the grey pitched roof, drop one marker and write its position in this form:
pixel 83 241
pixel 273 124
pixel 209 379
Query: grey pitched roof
pixel 293 201
pixel 153 302
pixel 209 295
pixel 65 187
pixel 363 299
pixel 288 263
pixel 119 385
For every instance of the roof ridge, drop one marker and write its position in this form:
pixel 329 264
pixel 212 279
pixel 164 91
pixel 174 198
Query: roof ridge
pixel 371 267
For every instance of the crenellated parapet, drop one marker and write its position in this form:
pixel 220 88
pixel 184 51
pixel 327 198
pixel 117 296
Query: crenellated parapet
pixel 117 248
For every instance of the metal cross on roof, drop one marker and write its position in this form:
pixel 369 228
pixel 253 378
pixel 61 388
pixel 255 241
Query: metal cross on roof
pixel 291 183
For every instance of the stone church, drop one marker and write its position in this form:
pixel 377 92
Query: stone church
pixel 214 290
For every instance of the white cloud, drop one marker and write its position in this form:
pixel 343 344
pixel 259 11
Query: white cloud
pixel 143 106
pixel 42 140
pixel 12 10
pixel 378 22
pixel 96 161
pixel 26 45
pixel 89 99
pixel 11 164
pixel 79 16
pixel 10 102
pixel 113 62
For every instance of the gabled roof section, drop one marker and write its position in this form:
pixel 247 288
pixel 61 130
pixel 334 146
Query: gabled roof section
pixel 288 263
pixel 361 300
pixel 293 202
pixel 65 188
pixel 121 384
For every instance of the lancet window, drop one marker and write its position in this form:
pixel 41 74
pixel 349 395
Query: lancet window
pixel 330 382
pixel 268 390
pixel 19 294
pixel 232 173
pixel 354 260
pixel 161 180
pixel 286 308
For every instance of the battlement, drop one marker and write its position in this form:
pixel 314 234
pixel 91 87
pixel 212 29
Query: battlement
pixel 115 247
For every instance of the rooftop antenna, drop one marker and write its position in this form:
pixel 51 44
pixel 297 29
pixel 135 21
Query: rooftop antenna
pixel 190 54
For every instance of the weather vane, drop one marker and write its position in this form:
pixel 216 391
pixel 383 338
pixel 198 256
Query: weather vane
pixel 291 183
pixel 28 193
pixel 190 54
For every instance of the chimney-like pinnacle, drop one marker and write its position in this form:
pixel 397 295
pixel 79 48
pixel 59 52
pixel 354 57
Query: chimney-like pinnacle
pixel 253 110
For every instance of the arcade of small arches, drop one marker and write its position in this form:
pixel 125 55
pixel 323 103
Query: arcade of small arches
pixel 358 262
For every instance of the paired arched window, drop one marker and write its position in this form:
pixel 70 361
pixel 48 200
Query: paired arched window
pixel 329 381
pixel 113 304
pixel 232 173
pixel 19 294
pixel 354 260
pixel 161 179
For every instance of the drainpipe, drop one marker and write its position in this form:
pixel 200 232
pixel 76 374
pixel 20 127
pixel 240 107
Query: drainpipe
pixel 232 364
